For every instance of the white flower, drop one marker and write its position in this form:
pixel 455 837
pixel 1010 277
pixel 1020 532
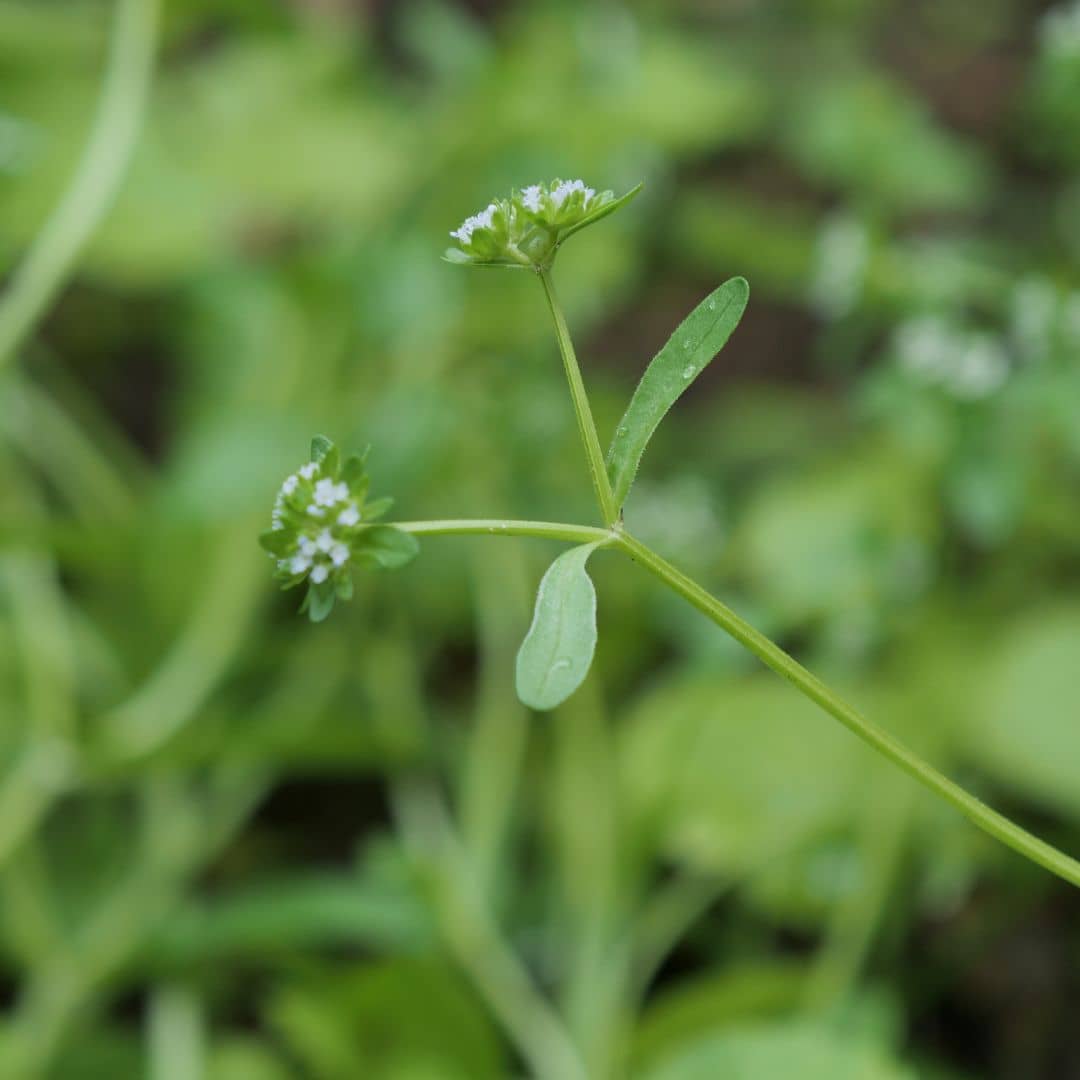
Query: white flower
pixel 320 574
pixel 299 564
pixel 482 220
pixel 315 511
pixel 565 188
pixel 276 520
pixel 531 197
pixel 307 546
pixel 327 493
pixel 325 540
pixel 339 554
pixel 309 470
pixel 349 516
pixel 290 485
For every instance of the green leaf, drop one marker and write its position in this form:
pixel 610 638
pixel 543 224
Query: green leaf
pixel 388 546
pixel 319 601
pixel 697 340
pixel 278 542
pixel 557 651
pixel 320 447
pixel 459 258
pixel 377 507
pixel 353 472
pixel 601 212
pixel 782 1049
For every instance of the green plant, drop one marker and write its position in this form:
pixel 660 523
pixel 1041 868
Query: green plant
pixel 525 232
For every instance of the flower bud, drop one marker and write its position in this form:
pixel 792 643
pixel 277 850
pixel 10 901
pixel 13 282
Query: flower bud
pixel 526 230
pixel 322 525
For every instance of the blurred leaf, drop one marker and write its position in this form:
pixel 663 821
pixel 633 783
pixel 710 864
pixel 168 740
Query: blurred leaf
pixel 695 1008
pixel 780 1050
pixel 699 337
pixel 372 1023
pixel 557 652
pixel 1025 729
pixel 290 914
pixel 732 772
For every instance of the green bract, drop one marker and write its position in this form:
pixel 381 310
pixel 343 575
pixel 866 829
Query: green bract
pixel 321 526
pixel 525 230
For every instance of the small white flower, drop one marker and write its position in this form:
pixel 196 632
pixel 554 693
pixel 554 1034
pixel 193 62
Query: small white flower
pixel 565 188
pixel 299 564
pixel 339 554
pixel 320 574
pixel 327 493
pixel 307 546
pixel 349 516
pixel 531 197
pixel 276 520
pixel 309 470
pixel 482 220
pixel 325 540
pixel 290 485
pixel 315 511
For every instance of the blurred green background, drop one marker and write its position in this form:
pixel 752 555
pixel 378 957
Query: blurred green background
pixel 223 845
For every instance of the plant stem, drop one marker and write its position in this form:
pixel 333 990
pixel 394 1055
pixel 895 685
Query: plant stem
pixel 552 530
pixel 997 825
pixel 609 511
pixel 770 654
pixel 93 187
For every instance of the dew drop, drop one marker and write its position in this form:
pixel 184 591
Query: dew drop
pixel 688 345
pixel 711 305
pixel 560 665
pixel 688 371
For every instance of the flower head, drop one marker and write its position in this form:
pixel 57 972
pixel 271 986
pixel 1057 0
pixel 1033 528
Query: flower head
pixel 322 524
pixel 525 230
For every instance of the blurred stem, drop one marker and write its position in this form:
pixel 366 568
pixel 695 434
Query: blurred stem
pixel 497 741
pixel 104 162
pixel 770 654
pixel 586 425
pixel 856 917
pixel 175 1035
pixel 476 941
pixel 588 845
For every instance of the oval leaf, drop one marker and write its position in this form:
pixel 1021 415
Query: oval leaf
pixel 556 654
pixel 698 339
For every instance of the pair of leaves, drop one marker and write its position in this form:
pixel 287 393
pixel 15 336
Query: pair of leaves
pixel 557 651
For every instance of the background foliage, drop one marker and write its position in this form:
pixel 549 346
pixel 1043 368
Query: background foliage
pixel 199 869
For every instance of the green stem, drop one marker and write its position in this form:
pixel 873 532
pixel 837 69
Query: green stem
pixel 609 511
pixel 770 654
pixel 552 530
pixel 774 657
pixel 97 179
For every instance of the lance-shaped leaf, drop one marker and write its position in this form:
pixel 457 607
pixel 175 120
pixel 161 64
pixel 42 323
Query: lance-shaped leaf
pixel 557 651
pixel 698 339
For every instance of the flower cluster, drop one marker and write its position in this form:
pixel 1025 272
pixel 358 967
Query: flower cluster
pixel 321 525
pixel 525 230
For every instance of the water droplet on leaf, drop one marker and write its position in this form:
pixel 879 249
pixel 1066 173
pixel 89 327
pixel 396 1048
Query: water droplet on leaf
pixel 688 371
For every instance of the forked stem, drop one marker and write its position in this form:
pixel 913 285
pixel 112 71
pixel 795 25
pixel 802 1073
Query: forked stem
pixel 770 654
